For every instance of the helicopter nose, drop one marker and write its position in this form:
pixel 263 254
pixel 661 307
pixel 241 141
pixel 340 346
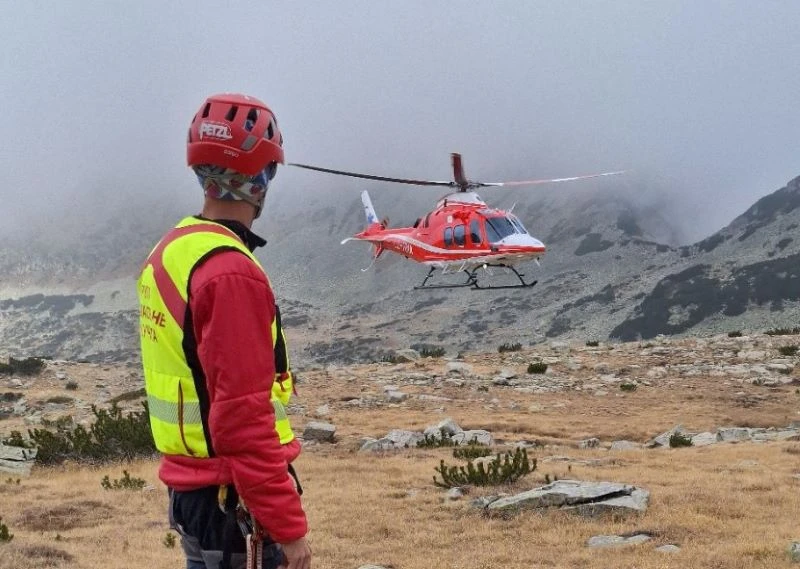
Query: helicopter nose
pixel 520 240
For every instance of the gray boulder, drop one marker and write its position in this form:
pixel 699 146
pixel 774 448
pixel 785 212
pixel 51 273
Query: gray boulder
pixel 794 552
pixel 396 396
pixel 704 439
pixel 406 356
pixel 446 426
pixel 478 436
pixel 734 434
pixel 669 548
pixel 16 460
pixel 319 431
pixel 458 368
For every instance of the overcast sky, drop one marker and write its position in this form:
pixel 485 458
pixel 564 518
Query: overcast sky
pixel 700 98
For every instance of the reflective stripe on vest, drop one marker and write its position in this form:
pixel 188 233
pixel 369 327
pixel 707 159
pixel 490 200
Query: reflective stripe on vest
pixel 176 415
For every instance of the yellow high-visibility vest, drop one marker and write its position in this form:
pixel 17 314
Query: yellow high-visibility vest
pixel 176 409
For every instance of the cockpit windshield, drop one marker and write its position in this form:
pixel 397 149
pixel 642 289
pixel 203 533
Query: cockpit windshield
pixel 517 223
pixel 501 226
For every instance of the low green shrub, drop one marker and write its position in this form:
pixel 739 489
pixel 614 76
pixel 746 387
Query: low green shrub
pixel 432 441
pixel 5 535
pixel 677 440
pixel 628 386
pixel 27 366
pixel 783 331
pixel 471 452
pixel 15 440
pixel 735 334
pixel 127 482
pixel 71 385
pixel 788 350
pixel 432 352
pixel 537 368
pixel 504 469
pixel 112 436
pixel 169 540
pixel 508 347
pixel 592 343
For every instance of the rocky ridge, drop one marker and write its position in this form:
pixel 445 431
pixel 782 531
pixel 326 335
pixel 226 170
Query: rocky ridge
pixel 606 275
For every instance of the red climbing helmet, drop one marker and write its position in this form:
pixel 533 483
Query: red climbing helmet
pixel 234 131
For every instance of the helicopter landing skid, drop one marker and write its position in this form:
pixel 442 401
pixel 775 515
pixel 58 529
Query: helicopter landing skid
pixel 472 280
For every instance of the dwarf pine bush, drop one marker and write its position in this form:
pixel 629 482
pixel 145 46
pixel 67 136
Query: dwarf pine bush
pixel 27 366
pixel 5 535
pixel 471 452
pixel 432 352
pixel 112 436
pixel 783 331
pixel 127 482
pixel 537 368
pixel 504 469
pixel 508 347
pixel 677 440
pixel 15 440
pixel 432 441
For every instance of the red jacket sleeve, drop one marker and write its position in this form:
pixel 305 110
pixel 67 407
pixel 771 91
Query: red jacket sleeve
pixel 232 309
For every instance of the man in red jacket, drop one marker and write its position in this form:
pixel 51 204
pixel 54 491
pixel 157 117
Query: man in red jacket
pixel 211 336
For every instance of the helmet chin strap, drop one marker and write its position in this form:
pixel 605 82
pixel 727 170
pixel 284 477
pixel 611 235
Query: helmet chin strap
pixel 258 204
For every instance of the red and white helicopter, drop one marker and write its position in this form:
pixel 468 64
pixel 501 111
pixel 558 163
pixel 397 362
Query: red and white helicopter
pixel 462 234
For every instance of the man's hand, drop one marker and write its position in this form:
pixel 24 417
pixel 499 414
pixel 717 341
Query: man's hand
pixel 298 554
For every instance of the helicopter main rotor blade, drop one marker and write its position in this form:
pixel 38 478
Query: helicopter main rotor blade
pixel 550 181
pixel 373 177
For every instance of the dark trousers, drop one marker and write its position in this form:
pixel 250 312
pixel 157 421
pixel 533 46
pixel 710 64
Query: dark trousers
pixel 204 529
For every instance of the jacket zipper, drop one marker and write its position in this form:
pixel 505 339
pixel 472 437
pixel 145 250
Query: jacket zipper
pixel 180 420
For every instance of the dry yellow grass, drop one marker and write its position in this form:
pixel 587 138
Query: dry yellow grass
pixel 731 506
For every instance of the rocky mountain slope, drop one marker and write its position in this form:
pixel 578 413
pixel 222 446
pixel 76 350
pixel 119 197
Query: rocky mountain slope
pixel 614 268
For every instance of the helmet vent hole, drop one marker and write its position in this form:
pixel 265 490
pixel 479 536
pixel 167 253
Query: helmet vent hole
pixel 270 131
pixel 231 113
pixel 252 117
pixel 206 110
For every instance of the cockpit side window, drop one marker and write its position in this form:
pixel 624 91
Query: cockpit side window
pixel 475 232
pixel 459 234
pixel 448 236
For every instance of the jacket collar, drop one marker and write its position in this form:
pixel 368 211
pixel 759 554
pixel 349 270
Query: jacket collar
pixel 250 239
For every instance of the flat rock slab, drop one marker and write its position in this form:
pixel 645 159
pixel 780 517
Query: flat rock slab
pixel 616 540
pixel 593 497
pixel 16 460
pixel 636 503
pixel 17 453
pixel 18 468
